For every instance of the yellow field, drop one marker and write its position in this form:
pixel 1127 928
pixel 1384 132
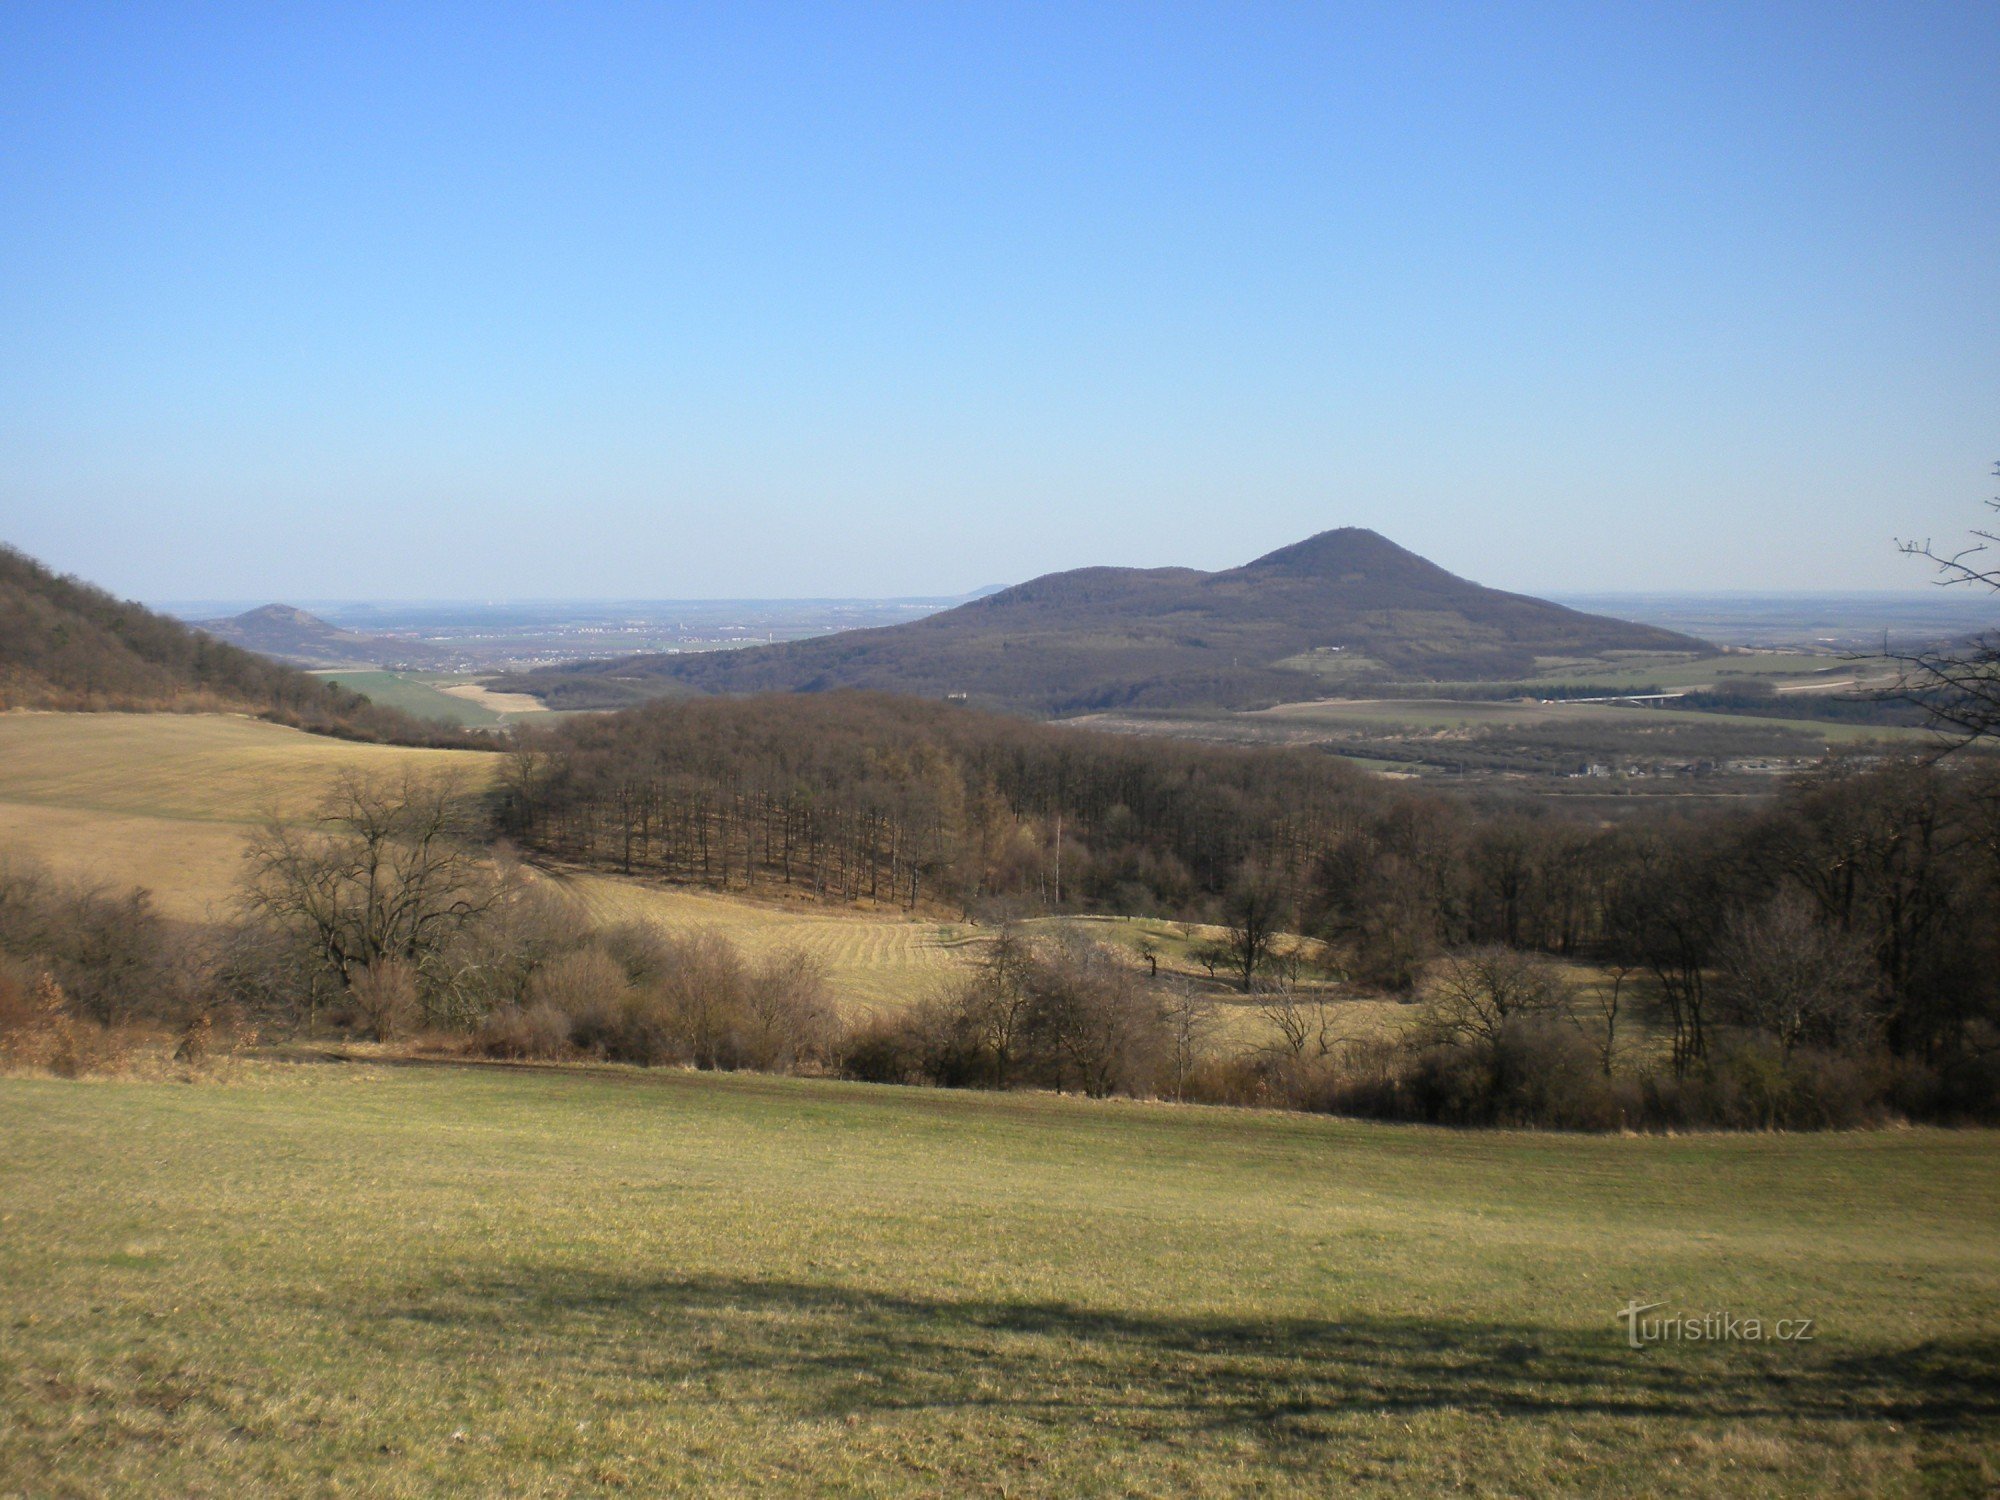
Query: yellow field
pixel 875 963
pixel 167 801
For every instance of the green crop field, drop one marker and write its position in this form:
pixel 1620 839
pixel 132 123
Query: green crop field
pixel 1452 713
pixel 1641 669
pixel 417 694
pixel 322 1278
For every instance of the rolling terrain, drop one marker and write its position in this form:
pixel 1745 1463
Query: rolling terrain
pixel 168 802
pixel 65 644
pixel 1345 606
pixel 301 639
pixel 679 1283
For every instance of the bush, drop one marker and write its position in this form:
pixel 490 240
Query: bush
pixel 1058 1013
pixel 884 1049
pixel 540 1031
pixel 114 955
pixel 578 983
pixel 639 995
pixel 38 1031
pixel 384 998
pixel 788 1016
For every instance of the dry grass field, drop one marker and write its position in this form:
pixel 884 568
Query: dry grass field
pixel 875 962
pixel 166 800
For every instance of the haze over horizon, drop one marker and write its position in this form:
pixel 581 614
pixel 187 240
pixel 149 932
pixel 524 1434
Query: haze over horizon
pixel 456 303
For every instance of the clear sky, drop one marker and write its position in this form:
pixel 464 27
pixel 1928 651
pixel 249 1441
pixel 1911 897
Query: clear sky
pixel 665 300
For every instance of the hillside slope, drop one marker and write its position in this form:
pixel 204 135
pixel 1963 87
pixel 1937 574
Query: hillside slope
pixel 292 635
pixel 1345 605
pixel 66 644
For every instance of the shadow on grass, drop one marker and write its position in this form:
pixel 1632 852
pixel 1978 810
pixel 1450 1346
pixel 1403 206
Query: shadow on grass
pixel 819 1350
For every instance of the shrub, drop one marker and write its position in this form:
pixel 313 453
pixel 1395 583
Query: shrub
pixel 114 955
pixel 541 1030
pixel 39 1032
pixel 884 1049
pixel 384 998
pixel 788 1018
pixel 579 982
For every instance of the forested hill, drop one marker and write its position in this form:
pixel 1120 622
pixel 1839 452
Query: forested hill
pixel 1346 605
pixel 65 644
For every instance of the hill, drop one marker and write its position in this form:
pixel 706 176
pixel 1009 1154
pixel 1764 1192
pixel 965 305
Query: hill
pixel 291 635
pixel 1346 606
pixel 67 644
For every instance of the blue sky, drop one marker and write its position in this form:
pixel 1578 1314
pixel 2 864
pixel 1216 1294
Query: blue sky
pixel 680 301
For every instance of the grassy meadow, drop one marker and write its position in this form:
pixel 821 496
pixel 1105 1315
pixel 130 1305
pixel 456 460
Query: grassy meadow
pixel 419 694
pixel 321 1278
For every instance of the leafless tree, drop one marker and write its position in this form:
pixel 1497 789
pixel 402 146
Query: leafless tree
pixel 1957 682
pixel 1790 975
pixel 1094 1019
pixel 1472 996
pixel 1304 1024
pixel 1191 1020
pixel 999 1000
pixel 1607 1002
pixel 387 871
pixel 1254 909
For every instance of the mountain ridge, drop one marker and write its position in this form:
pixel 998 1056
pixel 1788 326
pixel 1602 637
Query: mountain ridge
pixel 1346 604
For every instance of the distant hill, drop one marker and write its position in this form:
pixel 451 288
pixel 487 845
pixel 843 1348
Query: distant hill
pixel 291 635
pixel 65 644
pixel 1343 608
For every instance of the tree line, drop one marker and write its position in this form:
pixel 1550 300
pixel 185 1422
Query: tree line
pixel 1876 878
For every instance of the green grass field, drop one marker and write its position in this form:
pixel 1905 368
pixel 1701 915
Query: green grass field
pixel 418 694
pixel 325 1278
pixel 1430 714
pixel 1640 669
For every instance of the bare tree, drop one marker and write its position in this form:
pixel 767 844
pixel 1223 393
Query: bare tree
pixel 388 872
pixel 1094 1018
pixel 1607 1002
pixel 998 1001
pixel 1191 1020
pixel 1304 1023
pixel 1254 910
pixel 1958 682
pixel 1788 974
pixel 1473 996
